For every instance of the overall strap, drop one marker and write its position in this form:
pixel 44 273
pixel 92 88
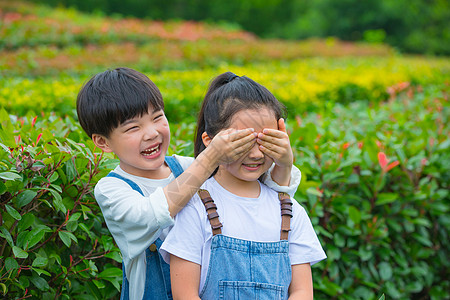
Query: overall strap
pixel 133 185
pixel 211 210
pixel 286 215
pixel 174 165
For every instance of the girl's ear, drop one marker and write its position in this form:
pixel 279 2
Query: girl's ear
pixel 206 139
pixel 101 142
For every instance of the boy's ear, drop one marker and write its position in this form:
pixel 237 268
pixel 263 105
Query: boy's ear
pixel 206 139
pixel 101 142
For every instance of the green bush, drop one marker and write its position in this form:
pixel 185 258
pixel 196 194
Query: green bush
pixel 53 240
pixel 375 184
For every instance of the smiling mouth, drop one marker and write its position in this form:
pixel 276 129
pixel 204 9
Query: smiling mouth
pixel 151 151
pixel 252 167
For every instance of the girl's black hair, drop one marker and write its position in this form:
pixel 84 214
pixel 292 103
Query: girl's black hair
pixel 110 98
pixel 227 95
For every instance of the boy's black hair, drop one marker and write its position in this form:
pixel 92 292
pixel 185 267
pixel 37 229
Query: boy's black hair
pixel 227 95
pixel 110 98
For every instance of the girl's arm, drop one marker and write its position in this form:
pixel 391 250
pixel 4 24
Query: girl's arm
pixel 276 144
pixel 301 285
pixel 185 278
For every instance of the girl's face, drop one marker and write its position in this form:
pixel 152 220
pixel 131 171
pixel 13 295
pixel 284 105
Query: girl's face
pixel 251 166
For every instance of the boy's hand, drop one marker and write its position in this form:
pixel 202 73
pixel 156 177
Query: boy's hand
pixel 276 144
pixel 231 144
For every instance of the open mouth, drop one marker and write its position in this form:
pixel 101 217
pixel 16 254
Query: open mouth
pixel 151 152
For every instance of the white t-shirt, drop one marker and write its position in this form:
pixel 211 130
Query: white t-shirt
pixel 136 221
pixel 255 219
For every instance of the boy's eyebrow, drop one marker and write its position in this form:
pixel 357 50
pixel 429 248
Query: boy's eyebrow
pixel 127 122
pixel 155 110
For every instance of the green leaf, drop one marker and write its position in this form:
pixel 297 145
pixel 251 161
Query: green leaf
pixel 385 271
pixel 27 221
pixel 40 271
pixel 35 236
pixel 354 214
pixel 423 240
pixel 111 272
pixel 11 264
pixel 67 237
pixel 26 197
pixel 314 191
pixel 10 176
pixel 54 177
pixel 3 188
pixel 444 145
pixel 115 255
pixel 6 235
pixel 19 253
pixel 4 288
pixel 39 282
pixel 14 213
pixel 72 226
pixel 56 257
pixel 57 201
pixel 40 262
pixel 385 198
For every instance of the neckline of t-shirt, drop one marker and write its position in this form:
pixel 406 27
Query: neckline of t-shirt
pixel 226 192
pixel 148 181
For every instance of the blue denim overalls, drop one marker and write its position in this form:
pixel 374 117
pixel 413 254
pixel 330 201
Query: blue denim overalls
pixel 242 269
pixel 157 277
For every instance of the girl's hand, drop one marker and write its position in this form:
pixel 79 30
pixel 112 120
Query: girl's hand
pixel 231 144
pixel 276 144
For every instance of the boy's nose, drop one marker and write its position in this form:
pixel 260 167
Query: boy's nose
pixel 150 133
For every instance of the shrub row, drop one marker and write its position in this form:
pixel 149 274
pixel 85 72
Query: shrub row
pixel 168 54
pixel 299 84
pixel 25 24
pixel 375 183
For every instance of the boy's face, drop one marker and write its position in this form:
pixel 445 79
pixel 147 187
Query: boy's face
pixel 140 144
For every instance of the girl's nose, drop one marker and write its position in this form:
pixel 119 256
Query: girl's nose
pixel 255 153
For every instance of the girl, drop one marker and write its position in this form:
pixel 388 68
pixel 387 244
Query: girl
pixel 239 239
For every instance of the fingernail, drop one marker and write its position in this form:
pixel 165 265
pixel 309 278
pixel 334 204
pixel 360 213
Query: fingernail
pixel 264 130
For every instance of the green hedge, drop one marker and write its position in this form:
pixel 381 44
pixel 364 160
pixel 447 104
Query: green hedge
pixel 376 184
pixel 384 226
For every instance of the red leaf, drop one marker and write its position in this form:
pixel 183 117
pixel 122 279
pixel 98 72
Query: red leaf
pixel 382 160
pixel 33 121
pixel 392 165
pixel 38 138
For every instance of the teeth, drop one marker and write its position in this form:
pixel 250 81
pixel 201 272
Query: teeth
pixel 150 151
pixel 252 166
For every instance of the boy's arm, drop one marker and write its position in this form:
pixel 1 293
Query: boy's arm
pixel 301 285
pixel 225 147
pixel 185 278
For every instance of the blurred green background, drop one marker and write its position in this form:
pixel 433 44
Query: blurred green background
pixel 415 26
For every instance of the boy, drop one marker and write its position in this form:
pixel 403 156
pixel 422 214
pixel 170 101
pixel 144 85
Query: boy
pixel 122 110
